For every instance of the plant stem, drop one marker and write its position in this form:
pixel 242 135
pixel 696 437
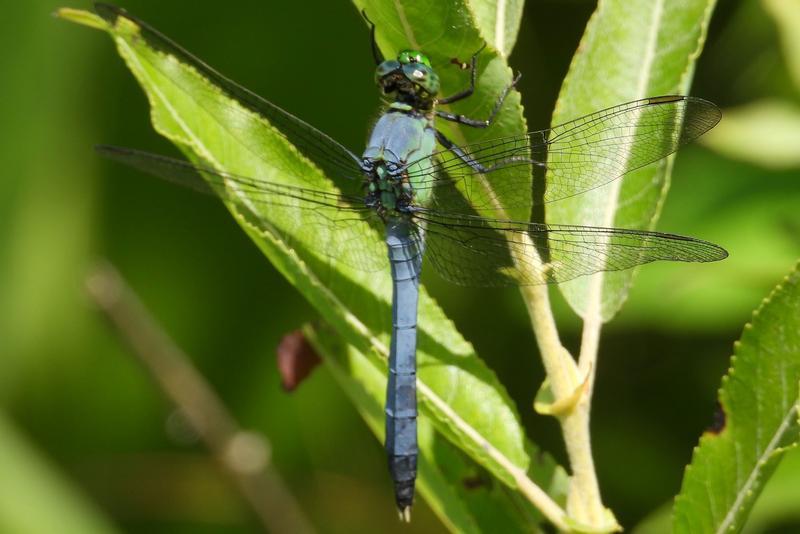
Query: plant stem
pixel 584 504
pixel 243 455
pixel 590 343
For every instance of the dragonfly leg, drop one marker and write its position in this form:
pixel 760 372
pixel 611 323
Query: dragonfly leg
pixel 476 165
pixel 473 77
pixel 477 123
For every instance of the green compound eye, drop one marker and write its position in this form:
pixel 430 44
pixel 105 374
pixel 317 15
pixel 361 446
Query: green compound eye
pixel 423 76
pixel 413 56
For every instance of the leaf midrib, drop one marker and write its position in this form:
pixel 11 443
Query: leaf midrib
pixel 745 489
pixel 594 298
pixel 500 27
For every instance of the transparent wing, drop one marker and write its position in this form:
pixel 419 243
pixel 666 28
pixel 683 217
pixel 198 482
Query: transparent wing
pixel 332 157
pixel 474 251
pixel 579 155
pixel 340 226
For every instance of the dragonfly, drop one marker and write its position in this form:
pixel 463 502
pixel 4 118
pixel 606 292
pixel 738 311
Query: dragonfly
pixel 414 185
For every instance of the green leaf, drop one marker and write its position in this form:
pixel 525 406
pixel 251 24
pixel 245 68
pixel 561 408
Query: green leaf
pixel 630 50
pixel 212 128
pixel 459 491
pixel 498 22
pixel 766 133
pixel 760 398
pixel 402 24
pixel 34 498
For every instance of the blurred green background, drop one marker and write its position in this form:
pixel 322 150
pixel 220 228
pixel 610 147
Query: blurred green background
pixel 85 435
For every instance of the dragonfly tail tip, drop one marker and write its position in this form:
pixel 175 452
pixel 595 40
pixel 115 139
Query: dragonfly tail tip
pixel 405 514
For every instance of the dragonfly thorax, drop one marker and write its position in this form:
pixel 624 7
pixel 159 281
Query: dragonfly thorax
pixel 410 79
pixel 388 189
pixel 397 152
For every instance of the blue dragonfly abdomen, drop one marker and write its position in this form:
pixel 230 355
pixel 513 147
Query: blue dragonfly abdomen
pixel 400 136
pixel 405 257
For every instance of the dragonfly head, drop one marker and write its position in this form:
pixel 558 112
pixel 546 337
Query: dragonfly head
pixel 410 77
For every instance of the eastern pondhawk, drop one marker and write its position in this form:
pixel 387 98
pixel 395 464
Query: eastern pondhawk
pixel 441 201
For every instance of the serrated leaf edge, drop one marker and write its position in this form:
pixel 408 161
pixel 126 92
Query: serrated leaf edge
pixel 772 449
